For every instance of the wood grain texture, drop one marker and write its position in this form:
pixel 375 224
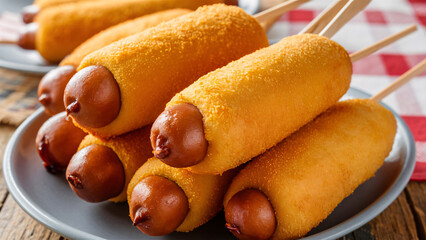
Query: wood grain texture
pixel 5 133
pixel 16 224
pixel 396 222
pixel 416 195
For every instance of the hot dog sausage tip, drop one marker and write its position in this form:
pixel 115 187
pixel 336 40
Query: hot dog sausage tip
pixel 52 86
pixel 73 107
pixel 161 153
pixel 56 142
pixel 177 136
pixel 44 99
pixel 96 174
pixel 249 215
pixel 49 162
pixel 233 228
pixel 75 181
pixel 140 218
pixel 27 37
pixel 158 206
pixel 29 12
pixel 96 91
pixel 162 150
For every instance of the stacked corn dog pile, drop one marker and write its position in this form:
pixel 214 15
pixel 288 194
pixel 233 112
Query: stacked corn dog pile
pixel 230 121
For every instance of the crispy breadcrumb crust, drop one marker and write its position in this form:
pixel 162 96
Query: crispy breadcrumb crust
pixel 64 27
pixel 118 32
pixel 255 102
pixel 151 66
pixel 308 174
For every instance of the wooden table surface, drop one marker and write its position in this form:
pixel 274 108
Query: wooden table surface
pixel 403 219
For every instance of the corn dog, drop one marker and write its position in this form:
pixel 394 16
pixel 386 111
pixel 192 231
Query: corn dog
pixel 307 175
pixel 58 30
pixel 56 142
pixel 237 112
pixel 150 67
pixel 52 85
pixel 30 12
pixel 194 198
pixel 120 31
pixel 102 169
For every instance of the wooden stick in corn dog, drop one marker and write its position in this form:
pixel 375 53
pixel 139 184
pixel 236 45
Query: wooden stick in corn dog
pixel 416 70
pixel 267 23
pixel 52 85
pixel 382 43
pixel 168 58
pixel 319 22
pixel 352 8
pixel 102 169
pixel 291 188
pixel 163 199
pixel 278 10
pixel 325 17
pixel 237 112
pixel 60 29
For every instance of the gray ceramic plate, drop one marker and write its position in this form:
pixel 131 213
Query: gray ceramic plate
pixel 29 61
pixel 15 58
pixel 49 200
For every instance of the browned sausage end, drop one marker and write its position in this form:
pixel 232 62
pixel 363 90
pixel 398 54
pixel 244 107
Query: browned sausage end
pixel 92 97
pixel 158 206
pixel 52 86
pixel 177 136
pixel 249 215
pixel 96 174
pixel 56 142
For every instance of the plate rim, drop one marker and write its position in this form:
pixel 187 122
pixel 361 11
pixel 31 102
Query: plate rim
pixel 26 68
pixel 341 229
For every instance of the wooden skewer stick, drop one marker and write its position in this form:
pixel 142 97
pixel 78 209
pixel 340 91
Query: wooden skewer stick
pixel 407 76
pixel 381 44
pixel 324 17
pixel 347 13
pixel 7 41
pixel 278 10
pixel 316 25
pixel 8 38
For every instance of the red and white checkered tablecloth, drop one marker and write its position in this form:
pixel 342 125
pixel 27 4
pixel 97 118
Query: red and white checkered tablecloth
pixel 372 74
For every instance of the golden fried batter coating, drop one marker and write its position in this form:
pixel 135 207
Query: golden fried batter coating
pixel 118 32
pixel 42 4
pixel 62 28
pixel 150 67
pixel 308 174
pixel 255 102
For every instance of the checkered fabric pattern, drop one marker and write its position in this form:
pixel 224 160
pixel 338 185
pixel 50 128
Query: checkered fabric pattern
pixel 372 74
